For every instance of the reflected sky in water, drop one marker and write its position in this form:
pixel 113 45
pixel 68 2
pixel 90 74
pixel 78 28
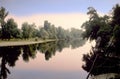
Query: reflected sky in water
pixel 49 61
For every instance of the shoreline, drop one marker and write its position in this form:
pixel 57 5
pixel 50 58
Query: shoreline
pixel 21 43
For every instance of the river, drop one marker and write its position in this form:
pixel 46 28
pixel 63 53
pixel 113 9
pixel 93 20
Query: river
pixel 54 60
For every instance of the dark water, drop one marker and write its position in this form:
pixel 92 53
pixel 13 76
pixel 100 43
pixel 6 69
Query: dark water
pixel 53 60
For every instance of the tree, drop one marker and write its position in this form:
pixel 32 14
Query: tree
pixel 3 15
pixel 50 29
pixel 17 33
pixel 104 57
pixel 11 30
pixel 76 33
pixel 28 30
pixel 43 33
pixel 60 33
pixel 115 15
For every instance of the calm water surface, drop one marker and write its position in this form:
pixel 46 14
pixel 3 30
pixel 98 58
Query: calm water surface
pixel 54 60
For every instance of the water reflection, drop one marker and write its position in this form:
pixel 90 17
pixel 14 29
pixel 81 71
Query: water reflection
pixel 9 55
pixel 28 52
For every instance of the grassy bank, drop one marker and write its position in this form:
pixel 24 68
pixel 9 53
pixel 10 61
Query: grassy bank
pixel 22 42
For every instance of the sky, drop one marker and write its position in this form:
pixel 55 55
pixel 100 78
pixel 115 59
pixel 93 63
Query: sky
pixel 65 13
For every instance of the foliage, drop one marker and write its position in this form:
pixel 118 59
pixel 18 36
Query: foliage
pixel 116 15
pixel 3 15
pixel 28 30
pixel 75 33
pixel 96 25
pixel 104 57
pixel 9 30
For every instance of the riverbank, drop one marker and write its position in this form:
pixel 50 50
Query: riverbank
pixel 22 42
pixel 107 76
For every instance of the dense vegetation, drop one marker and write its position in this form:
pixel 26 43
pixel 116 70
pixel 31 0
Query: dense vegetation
pixel 105 30
pixel 9 30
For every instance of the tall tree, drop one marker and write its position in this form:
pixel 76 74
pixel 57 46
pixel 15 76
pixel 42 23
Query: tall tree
pixel 104 57
pixel 11 30
pixel 116 15
pixel 43 34
pixel 50 29
pixel 60 33
pixel 3 15
pixel 28 30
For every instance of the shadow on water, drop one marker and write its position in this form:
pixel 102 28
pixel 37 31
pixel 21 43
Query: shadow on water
pixel 9 55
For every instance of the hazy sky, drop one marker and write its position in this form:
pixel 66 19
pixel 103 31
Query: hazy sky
pixel 66 13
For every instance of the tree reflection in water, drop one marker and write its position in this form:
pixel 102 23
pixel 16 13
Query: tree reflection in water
pixel 29 52
pixel 9 55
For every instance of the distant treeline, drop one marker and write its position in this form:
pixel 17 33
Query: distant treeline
pixel 9 30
